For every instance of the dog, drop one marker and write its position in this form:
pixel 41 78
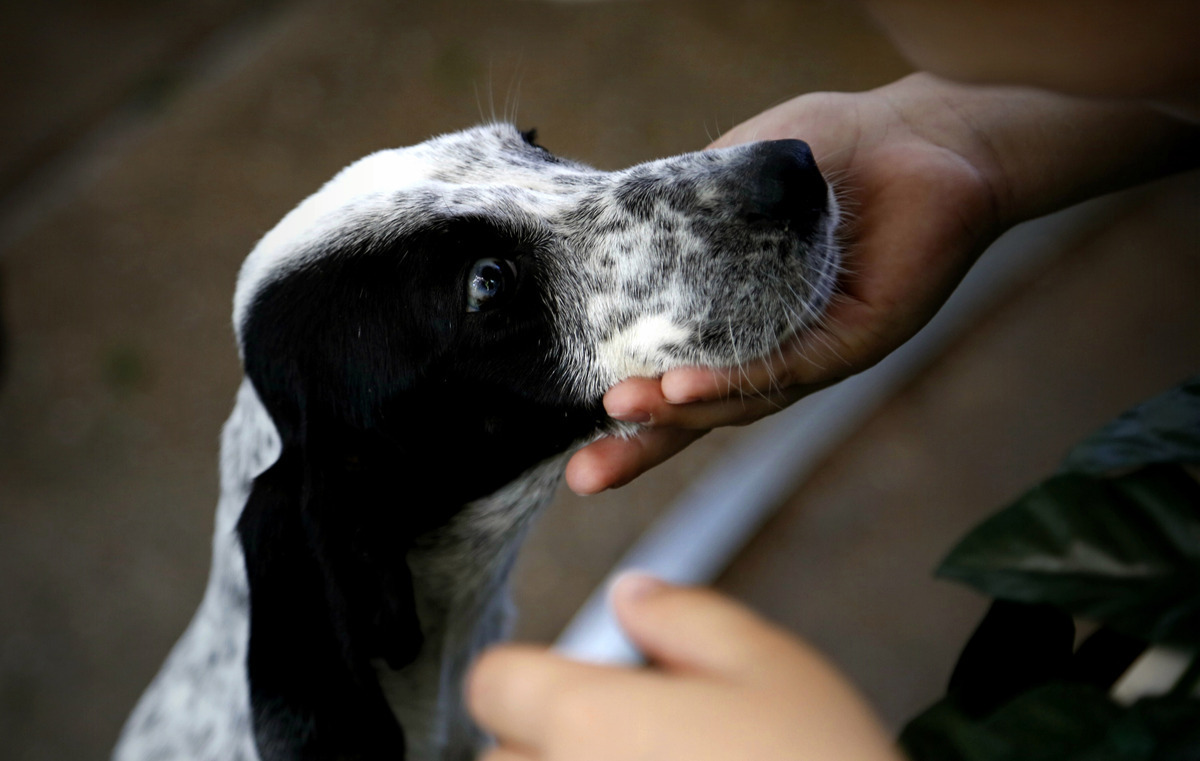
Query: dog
pixel 425 341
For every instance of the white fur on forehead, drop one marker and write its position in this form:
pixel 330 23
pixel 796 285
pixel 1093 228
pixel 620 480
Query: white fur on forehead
pixel 367 192
pixel 641 278
pixel 364 187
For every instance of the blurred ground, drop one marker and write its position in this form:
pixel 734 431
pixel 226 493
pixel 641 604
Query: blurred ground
pixel 144 148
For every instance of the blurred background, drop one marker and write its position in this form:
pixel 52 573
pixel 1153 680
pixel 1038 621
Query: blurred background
pixel 146 145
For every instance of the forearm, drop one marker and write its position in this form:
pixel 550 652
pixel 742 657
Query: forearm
pixel 931 172
pixel 1041 151
pixel 1097 48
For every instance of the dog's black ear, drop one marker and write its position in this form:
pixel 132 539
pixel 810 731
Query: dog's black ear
pixel 326 529
pixel 330 593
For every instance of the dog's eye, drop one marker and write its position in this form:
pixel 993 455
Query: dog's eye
pixel 530 137
pixel 488 282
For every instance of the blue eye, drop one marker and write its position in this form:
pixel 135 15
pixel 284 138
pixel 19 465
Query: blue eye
pixel 488 281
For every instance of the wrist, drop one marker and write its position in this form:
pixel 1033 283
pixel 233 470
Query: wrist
pixel 1036 151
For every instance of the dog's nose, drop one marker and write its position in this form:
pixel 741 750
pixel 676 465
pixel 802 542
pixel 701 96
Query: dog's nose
pixel 783 184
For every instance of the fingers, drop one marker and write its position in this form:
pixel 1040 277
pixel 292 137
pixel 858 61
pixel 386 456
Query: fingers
pixel 642 400
pixel 539 705
pixel 705 637
pixel 511 689
pixel 505 754
pixel 804 365
pixel 761 377
pixel 698 631
pixel 820 119
pixel 724 684
pixel 612 462
pixel 686 403
pixel 615 461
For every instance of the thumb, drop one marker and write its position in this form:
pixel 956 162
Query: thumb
pixel 698 631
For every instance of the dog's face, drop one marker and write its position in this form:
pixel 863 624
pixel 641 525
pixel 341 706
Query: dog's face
pixel 481 273
pixel 438 319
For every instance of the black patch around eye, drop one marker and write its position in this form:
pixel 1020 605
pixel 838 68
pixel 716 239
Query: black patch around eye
pixel 530 137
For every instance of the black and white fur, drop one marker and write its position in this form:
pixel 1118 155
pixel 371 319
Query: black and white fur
pixel 425 340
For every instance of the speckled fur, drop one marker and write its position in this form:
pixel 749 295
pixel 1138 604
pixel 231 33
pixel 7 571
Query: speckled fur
pixel 646 268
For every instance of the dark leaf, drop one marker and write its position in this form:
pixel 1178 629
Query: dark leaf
pixel 1103 657
pixel 1122 551
pixel 1017 646
pixel 1049 723
pixel 944 733
pixel 1163 429
pixel 1174 722
pixel 1059 722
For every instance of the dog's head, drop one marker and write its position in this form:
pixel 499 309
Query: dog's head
pixel 438 319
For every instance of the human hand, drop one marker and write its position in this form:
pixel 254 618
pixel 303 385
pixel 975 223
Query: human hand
pixel 723 684
pixel 921 188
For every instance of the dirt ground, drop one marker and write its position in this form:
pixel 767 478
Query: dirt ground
pixel 146 146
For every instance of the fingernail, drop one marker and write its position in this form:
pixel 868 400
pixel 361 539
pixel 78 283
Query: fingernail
pixel 637 585
pixel 587 488
pixel 630 416
pixel 677 396
pixel 682 399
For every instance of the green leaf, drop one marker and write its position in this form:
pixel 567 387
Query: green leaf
pixel 1173 721
pixel 1123 551
pixel 944 733
pixel 1163 429
pixel 1059 721
pixel 1048 723
pixel 1114 537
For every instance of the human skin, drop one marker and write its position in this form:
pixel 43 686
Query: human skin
pixel 1097 48
pixel 932 171
pixel 767 696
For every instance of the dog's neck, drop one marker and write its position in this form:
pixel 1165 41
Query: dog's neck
pixel 460 578
pixel 460 575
